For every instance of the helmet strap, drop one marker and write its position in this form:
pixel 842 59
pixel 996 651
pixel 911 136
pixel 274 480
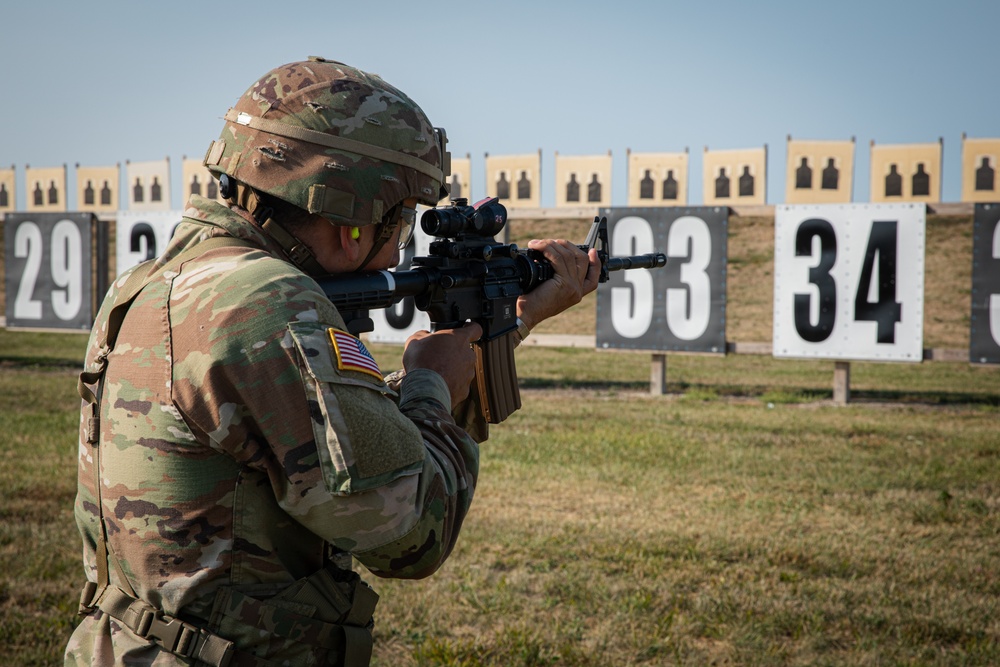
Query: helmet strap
pixel 385 231
pixel 297 252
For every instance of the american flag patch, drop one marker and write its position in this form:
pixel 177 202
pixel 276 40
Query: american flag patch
pixel 352 355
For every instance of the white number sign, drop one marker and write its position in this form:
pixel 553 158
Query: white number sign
pixel 143 235
pixel 849 281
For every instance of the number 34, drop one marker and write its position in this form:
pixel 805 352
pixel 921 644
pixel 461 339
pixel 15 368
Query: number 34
pixel 875 299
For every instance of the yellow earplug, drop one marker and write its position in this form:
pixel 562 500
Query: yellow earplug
pixel 355 233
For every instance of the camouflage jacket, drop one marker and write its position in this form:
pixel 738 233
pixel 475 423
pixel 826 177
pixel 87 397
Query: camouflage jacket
pixel 241 431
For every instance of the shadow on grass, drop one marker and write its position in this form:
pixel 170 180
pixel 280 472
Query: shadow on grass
pixel 40 363
pixel 588 385
pixel 782 395
pixel 925 397
pixel 707 391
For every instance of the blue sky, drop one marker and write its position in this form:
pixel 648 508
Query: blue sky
pixel 105 82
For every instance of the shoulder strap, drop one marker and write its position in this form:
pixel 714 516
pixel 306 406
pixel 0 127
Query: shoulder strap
pixel 134 284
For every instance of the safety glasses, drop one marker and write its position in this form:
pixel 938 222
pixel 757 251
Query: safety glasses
pixel 407 221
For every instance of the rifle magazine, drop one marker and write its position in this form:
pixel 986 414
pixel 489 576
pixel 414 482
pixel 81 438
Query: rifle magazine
pixel 496 378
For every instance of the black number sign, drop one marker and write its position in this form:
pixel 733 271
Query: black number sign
pixel 984 335
pixel 681 307
pixel 50 270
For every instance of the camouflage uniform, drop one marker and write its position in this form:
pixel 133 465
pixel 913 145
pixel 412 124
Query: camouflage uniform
pixel 237 441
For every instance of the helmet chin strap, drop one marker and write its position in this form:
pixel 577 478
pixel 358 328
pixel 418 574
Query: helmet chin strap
pixel 296 251
pixel 389 223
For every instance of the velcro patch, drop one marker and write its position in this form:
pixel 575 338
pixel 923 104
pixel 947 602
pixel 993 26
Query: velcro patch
pixel 351 353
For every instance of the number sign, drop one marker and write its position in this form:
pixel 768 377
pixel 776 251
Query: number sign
pixel 49 270
pixel 984 338
pixel 143 235
pixel 849 282
pixel 681 307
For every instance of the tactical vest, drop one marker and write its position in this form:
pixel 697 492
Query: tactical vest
pixel 322 619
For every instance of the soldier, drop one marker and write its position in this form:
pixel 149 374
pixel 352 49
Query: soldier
pixel 237 445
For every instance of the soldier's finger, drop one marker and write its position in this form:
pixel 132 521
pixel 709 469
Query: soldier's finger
pixel 473 331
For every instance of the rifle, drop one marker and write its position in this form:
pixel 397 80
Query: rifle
pixel 468 275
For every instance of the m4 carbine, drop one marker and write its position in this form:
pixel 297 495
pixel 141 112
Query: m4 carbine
pixel 469 276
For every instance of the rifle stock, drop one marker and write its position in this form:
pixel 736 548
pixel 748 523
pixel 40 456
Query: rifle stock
pixel 468 276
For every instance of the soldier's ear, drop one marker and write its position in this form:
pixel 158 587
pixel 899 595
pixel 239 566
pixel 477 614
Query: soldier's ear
pixel 350 241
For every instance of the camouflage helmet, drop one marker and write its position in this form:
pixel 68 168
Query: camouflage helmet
pixel 332 140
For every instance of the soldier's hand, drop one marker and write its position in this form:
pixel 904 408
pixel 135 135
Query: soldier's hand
pixel 576 275
pixel 449 353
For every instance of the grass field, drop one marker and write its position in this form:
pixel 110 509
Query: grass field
pixel 742 519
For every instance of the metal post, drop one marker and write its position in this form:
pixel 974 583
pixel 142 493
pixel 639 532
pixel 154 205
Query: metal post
pixel 658 375
pixel 842 382
pixel 103 236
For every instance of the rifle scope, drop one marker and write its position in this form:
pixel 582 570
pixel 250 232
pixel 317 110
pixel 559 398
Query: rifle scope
pixel 486 218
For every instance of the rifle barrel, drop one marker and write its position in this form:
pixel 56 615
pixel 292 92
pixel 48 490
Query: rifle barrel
pixel 651 261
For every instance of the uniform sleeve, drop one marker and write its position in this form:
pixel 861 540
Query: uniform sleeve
pixel 279 386
pixel 402 476
pixel 443 488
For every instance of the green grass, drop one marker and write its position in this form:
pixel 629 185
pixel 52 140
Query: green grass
pixel 742 519
pixel 39 546
pixel 626 530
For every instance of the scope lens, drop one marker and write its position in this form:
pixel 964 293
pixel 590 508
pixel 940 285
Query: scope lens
pixel 442 222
